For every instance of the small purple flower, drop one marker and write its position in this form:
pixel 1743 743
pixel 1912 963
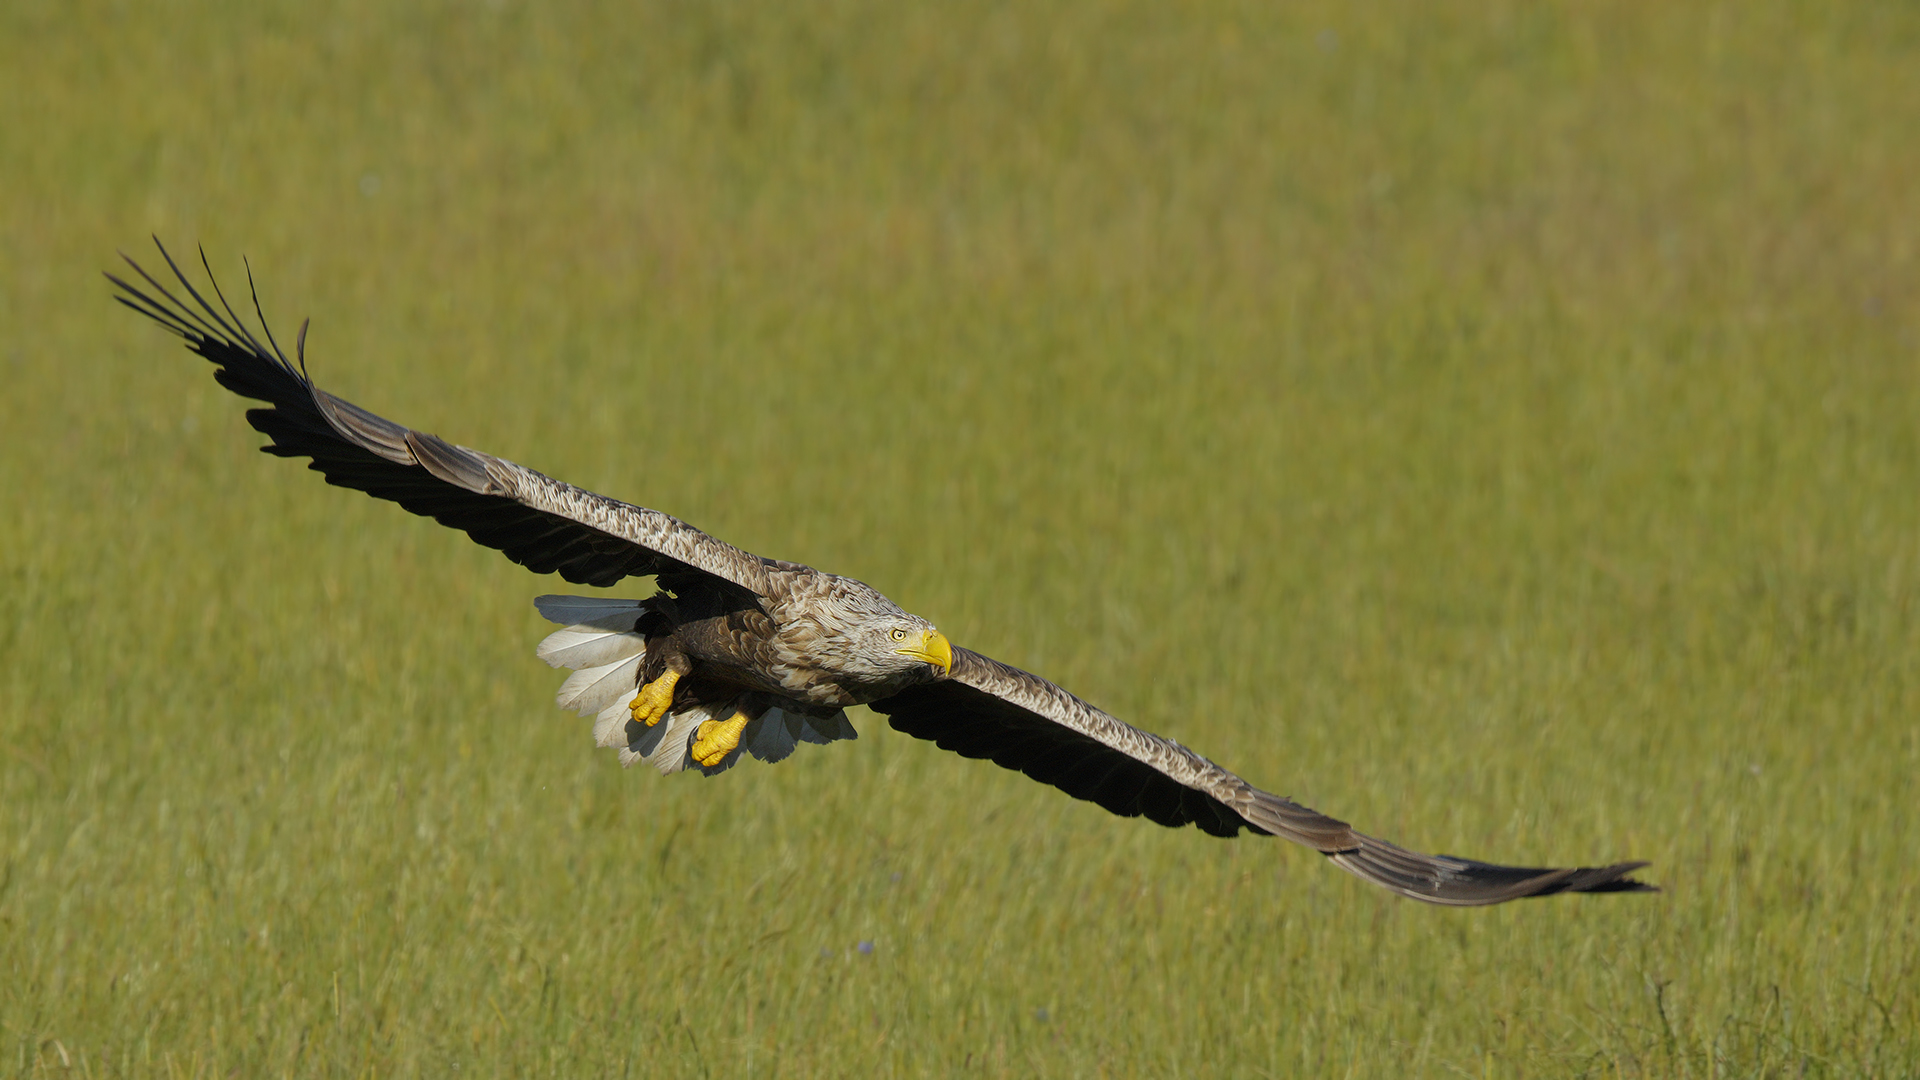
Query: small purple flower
pixel 866 948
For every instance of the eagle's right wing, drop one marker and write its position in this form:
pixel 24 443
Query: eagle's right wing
pixel 988 709
pixel 541 523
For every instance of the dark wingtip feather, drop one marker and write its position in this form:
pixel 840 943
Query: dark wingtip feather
pixel 261 315
pixel 1610 879
pixel 1457 882
pixel 358 449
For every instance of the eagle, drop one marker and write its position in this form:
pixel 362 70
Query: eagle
pixel 738 655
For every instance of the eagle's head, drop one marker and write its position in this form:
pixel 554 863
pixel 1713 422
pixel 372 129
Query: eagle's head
pixel 897 647
pixel 916 639
pixel 870 640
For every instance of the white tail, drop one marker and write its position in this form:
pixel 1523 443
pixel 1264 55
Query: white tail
pixel 599 641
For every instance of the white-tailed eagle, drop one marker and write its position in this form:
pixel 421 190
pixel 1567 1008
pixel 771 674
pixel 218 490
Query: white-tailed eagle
pixel 738 654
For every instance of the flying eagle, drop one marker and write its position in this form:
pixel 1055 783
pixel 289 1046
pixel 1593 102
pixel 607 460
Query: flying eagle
pixel 739 654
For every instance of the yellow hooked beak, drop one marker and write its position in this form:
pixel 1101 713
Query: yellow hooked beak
pixel 932 648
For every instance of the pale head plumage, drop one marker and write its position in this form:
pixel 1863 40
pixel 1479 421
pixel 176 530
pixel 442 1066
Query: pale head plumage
pixel 874 642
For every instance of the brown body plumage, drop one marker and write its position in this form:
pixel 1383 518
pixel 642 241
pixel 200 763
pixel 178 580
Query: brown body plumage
pixel 775 642
pixel 768 653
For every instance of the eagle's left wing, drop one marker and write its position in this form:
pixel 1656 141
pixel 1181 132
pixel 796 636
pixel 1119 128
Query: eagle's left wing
pixel 988 709
pixel 539 522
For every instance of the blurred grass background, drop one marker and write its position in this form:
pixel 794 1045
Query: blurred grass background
pixel 1493 423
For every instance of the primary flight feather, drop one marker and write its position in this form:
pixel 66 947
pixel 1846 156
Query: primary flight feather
pixel 740 654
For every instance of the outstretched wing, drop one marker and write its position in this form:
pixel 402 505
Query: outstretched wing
pixel 988 709
pixel 541 523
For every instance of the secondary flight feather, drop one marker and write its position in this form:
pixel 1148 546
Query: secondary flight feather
pixel 736 654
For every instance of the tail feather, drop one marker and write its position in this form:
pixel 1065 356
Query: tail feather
pixel 589 610
pixel 667 745
pixel 590 690
pixel 769 737
pixel 583 646
pixel 610 727
pixel 821 730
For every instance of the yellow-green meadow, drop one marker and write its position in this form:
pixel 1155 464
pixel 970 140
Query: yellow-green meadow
pixel 1497 425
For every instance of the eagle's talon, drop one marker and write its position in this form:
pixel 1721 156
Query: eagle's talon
pixel 655 699
pixel 717 738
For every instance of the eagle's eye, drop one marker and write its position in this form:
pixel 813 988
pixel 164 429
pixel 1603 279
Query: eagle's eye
pixel 897 634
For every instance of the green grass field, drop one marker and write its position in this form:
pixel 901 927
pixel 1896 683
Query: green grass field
pixel 1496 424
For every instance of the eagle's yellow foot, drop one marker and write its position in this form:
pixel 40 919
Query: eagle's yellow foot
pixel 655 698
pixel 717 738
